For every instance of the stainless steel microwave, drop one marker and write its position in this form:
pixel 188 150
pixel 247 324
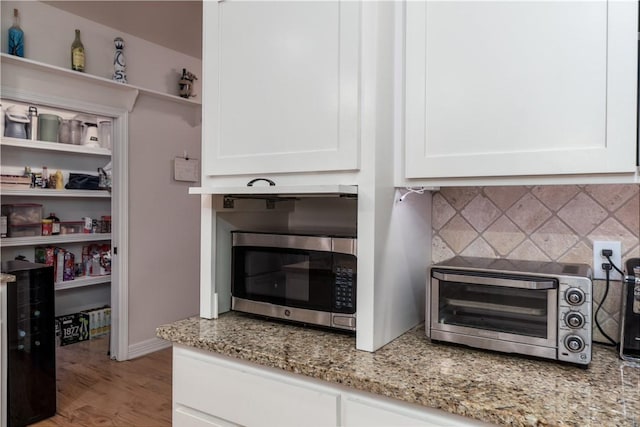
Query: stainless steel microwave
pixel 541 309
pixel 303 278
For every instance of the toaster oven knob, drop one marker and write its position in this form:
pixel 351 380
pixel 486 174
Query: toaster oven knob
pixel 574 296
pixel 574 319
pixel 574 343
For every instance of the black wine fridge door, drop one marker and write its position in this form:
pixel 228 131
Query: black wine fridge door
pixel 31 361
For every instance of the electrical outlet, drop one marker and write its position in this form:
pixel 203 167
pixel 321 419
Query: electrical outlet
pixel 598 259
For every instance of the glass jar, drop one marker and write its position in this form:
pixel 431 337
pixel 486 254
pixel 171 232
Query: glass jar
pixel 104 134
pixel 55 223
pixel 75 132
pixel 64 132
pixel 47 227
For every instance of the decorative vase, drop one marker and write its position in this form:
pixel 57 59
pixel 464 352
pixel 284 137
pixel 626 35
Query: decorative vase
pixel 16 36
pixel 186 83
pixel 120 72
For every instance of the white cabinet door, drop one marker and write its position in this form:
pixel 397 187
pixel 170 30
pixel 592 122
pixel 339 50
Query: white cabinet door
pixel 520 88
pixel 358 411
pixel 244 395
pixel 280 86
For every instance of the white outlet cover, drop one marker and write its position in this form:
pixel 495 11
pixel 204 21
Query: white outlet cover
pixel 598 259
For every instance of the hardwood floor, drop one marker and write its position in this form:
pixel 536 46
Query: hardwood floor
pixel 96 391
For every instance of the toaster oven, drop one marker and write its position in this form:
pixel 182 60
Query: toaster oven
pixel 541 309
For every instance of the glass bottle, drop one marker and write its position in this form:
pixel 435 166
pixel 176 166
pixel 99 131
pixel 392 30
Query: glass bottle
pixel 16 36
pixel 45 177
pixel 27 172
pixel 59 180
pixel 55 226
pixel 77 53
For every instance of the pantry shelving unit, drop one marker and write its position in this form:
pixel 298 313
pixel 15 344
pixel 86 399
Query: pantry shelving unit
pixel 32 82
pixel 71 199
pixel 75 199
pixel 69 205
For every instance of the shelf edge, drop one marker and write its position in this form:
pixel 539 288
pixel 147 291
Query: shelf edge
pixel 40 66
pixel 310 190
pixel 82 282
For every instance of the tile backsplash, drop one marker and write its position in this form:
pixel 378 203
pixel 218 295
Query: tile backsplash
pixel 540 223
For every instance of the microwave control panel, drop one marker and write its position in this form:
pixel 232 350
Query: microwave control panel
pixel 345 290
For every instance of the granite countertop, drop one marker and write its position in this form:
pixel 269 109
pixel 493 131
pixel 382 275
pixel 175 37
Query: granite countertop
pixel 487 386
pixel 6 278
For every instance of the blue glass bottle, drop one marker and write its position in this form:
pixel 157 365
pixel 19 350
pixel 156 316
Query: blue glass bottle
pixel 16 36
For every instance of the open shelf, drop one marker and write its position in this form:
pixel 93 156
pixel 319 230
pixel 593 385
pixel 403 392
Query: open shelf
pixel 50 192
pixel 7 242
pixel 82 282
pixel 53 146
pixel 128 91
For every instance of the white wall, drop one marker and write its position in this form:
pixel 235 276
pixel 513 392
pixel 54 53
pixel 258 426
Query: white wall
pixel 163 219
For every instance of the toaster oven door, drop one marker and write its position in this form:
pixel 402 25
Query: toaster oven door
pixel 509 313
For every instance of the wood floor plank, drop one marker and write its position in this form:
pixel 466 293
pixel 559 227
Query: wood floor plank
pixel 96 391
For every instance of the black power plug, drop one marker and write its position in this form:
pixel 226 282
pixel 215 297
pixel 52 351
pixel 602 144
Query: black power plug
pixel 607 253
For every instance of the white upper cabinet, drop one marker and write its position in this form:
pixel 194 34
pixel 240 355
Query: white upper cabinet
pixel 520 88
pixel 281 88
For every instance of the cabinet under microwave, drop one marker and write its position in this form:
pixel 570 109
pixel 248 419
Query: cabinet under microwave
pixel 303 278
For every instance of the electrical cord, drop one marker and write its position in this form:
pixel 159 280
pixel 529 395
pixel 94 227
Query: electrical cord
pixel 411 190
pixel 613 265
pixel 611 342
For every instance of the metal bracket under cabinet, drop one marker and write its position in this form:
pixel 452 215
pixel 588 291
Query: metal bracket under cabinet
pixel 228 201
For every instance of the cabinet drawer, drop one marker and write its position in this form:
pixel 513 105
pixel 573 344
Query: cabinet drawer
pixel 242 394
pixel 187 417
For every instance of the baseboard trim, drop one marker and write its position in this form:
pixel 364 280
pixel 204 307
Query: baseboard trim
pixel 148 346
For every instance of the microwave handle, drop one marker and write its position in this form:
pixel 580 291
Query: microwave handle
pixel 496 281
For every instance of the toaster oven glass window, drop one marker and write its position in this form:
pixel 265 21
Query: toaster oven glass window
pixel 494 308
pixel 285 277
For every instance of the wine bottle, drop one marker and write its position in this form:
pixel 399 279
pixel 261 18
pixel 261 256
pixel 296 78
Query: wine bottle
pixel 16 36
pixel 77 53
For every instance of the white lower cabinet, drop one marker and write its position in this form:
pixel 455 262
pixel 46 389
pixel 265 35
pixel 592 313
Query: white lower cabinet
pixel 212 390
pixel 361 411
pixel 237 393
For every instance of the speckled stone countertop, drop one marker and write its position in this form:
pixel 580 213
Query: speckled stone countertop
pixel 487 386
pixel 6 278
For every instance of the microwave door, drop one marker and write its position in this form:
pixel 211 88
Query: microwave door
pixel 287 278
pixel 508 310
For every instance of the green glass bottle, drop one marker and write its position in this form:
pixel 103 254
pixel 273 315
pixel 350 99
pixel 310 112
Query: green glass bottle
pixel 77 53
